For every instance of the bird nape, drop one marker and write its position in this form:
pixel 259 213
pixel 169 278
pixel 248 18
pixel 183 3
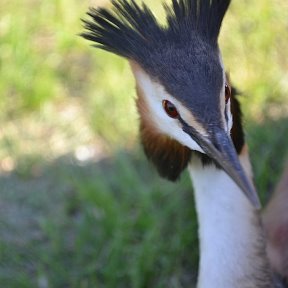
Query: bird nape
pixel 190 118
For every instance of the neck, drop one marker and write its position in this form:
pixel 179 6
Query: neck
pixel 232 247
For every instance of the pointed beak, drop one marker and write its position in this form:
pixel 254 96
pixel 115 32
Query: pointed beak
pixel 221 149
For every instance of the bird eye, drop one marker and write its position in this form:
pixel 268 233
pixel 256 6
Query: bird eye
pixel 227 93
pixel 170 109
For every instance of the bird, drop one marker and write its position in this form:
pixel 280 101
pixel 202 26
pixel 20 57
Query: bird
pixel 190 118
pixel 275 222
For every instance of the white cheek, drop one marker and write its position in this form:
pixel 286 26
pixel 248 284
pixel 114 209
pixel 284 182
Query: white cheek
pixel 154 95
pixel 168 125
pixel 230 118
pixel 172 128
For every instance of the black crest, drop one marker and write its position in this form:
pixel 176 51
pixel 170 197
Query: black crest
pixel 133 32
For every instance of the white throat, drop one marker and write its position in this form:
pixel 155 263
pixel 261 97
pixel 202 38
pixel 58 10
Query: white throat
pixel 229 230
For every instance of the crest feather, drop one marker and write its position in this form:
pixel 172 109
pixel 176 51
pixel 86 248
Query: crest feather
pixel 132 31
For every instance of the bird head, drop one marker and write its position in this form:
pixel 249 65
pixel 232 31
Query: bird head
pixel 184 99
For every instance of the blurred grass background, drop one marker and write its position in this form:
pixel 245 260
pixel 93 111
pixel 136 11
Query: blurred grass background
pixel 79 204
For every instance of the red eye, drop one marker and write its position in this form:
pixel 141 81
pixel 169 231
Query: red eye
pixel 227 93
pixel 170 109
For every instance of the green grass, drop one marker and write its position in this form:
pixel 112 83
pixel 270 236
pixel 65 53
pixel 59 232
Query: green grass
pixel 111 221
pixel 109 224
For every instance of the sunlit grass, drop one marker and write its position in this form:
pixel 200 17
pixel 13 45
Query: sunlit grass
pixel 43 60
pixel 252 42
